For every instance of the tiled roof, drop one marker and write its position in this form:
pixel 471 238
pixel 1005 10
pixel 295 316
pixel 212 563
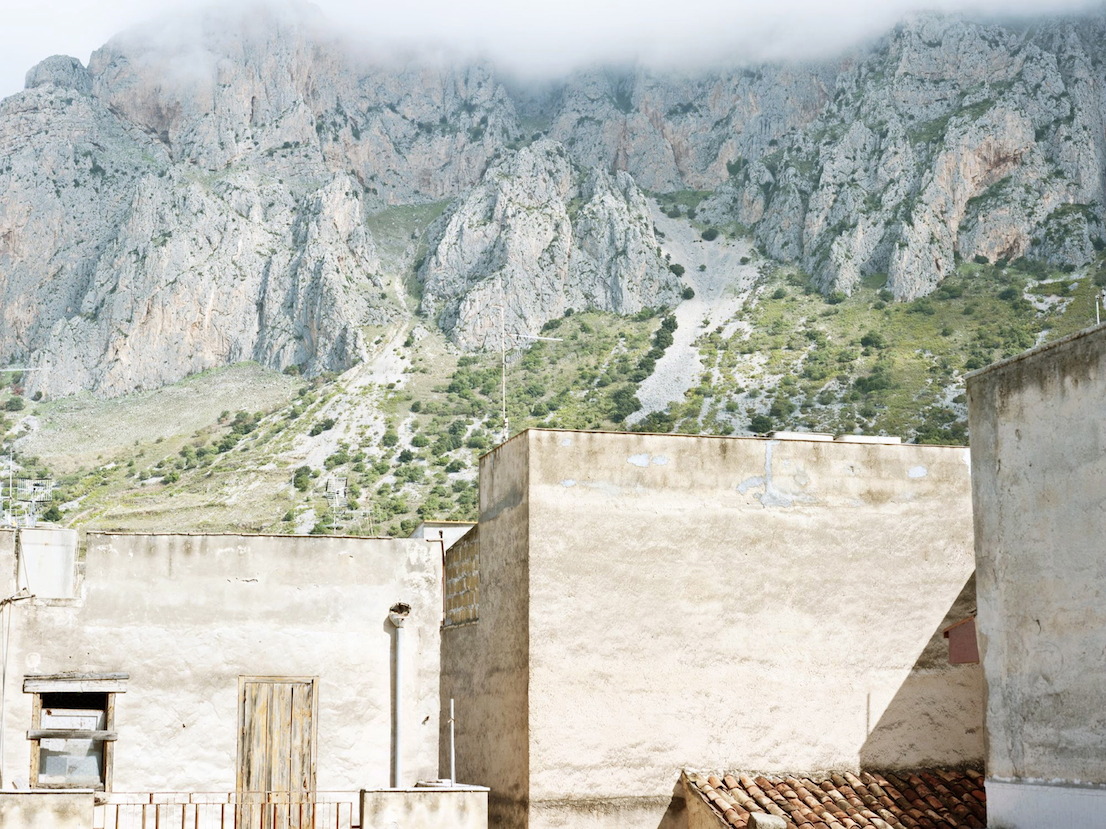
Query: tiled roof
pixel 927 799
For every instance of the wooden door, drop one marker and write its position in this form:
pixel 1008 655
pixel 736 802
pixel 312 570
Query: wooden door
pixel 276 752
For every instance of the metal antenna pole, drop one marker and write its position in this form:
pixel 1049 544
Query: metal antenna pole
pixel 503 353
pixel 452 747
pixel 503 357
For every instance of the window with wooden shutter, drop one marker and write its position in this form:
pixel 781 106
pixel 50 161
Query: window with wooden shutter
pixel 73 729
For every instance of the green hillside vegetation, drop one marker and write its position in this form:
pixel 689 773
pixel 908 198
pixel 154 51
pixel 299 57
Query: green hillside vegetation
pixel 413 457
pixel 342 455
pixel 799 360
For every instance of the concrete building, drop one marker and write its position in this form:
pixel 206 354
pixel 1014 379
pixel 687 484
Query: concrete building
pixel 1039 484
pixel 631 605
pixel 227 665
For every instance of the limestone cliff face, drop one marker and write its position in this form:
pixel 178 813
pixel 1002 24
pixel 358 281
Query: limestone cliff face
pixel 947 139
pixel 536 237
pixel 675 131
pixel 198 197
pixel 195 200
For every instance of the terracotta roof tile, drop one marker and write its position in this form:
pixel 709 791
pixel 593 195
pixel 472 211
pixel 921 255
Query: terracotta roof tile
pixel 922 799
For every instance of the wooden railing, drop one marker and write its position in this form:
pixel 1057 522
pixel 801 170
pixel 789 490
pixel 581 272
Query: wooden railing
pixel 228 810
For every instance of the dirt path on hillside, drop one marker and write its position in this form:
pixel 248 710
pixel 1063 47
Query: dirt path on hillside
pixel 357 410
pixel 721 288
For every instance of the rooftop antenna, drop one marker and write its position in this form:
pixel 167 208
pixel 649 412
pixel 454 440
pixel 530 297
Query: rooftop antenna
pixel 11 487
pixel 503 353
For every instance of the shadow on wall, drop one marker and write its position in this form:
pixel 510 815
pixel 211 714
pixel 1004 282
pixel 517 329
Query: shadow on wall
pixel 675 817
pixel 937 709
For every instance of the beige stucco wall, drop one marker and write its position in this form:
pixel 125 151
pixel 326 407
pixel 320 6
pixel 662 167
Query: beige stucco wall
pixel 425 808
pixel 733 603
pixel 185 616
pixel 1039 480
pixel 55 810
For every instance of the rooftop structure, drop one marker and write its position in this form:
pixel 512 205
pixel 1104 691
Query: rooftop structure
pixel 649 603
pixel 920 799
pixel 1038 425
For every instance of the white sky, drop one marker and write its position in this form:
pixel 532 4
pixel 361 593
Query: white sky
pixel 526 35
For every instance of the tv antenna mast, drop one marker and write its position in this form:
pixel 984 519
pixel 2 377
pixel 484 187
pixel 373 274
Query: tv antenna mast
pixel 503 353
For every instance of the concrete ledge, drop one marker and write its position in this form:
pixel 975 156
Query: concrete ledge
pixel 46 810
pixel 1022 805
pixel 458 807
pixel 654 812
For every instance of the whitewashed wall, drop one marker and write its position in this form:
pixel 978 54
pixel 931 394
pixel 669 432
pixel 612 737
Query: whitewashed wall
pixel 1038 425
pixel 186 615
pixel 709 603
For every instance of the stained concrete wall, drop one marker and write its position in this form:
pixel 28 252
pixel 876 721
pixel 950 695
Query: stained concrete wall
pixel 1039 483
pixel 488 663
pixel 734 603
pixel 40 810
pixel 186 615
pixel 485 666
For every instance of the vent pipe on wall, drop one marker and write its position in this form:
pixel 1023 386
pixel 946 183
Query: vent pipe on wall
pixel 6 621
pixel 397 615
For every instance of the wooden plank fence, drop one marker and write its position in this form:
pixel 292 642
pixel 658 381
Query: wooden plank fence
pixel 233 810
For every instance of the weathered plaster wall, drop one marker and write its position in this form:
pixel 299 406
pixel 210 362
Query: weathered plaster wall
pixel 452 808
pixel 1039 482
pixel 485 666
pixel 8 583
pixel 737 603
pixel 185 616
pixel 743 603
pixel 56 810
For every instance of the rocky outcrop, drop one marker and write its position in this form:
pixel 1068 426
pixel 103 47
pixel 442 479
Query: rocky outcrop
pixel 948 139
pixel 60 71
pixel 537 237
pixel 277 89
pixel 198 277
pixel 676 131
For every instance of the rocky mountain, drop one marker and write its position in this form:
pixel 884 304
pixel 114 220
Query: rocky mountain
pixel 947 139
pixel 205 193
pixel 182 205
pixel 537 237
